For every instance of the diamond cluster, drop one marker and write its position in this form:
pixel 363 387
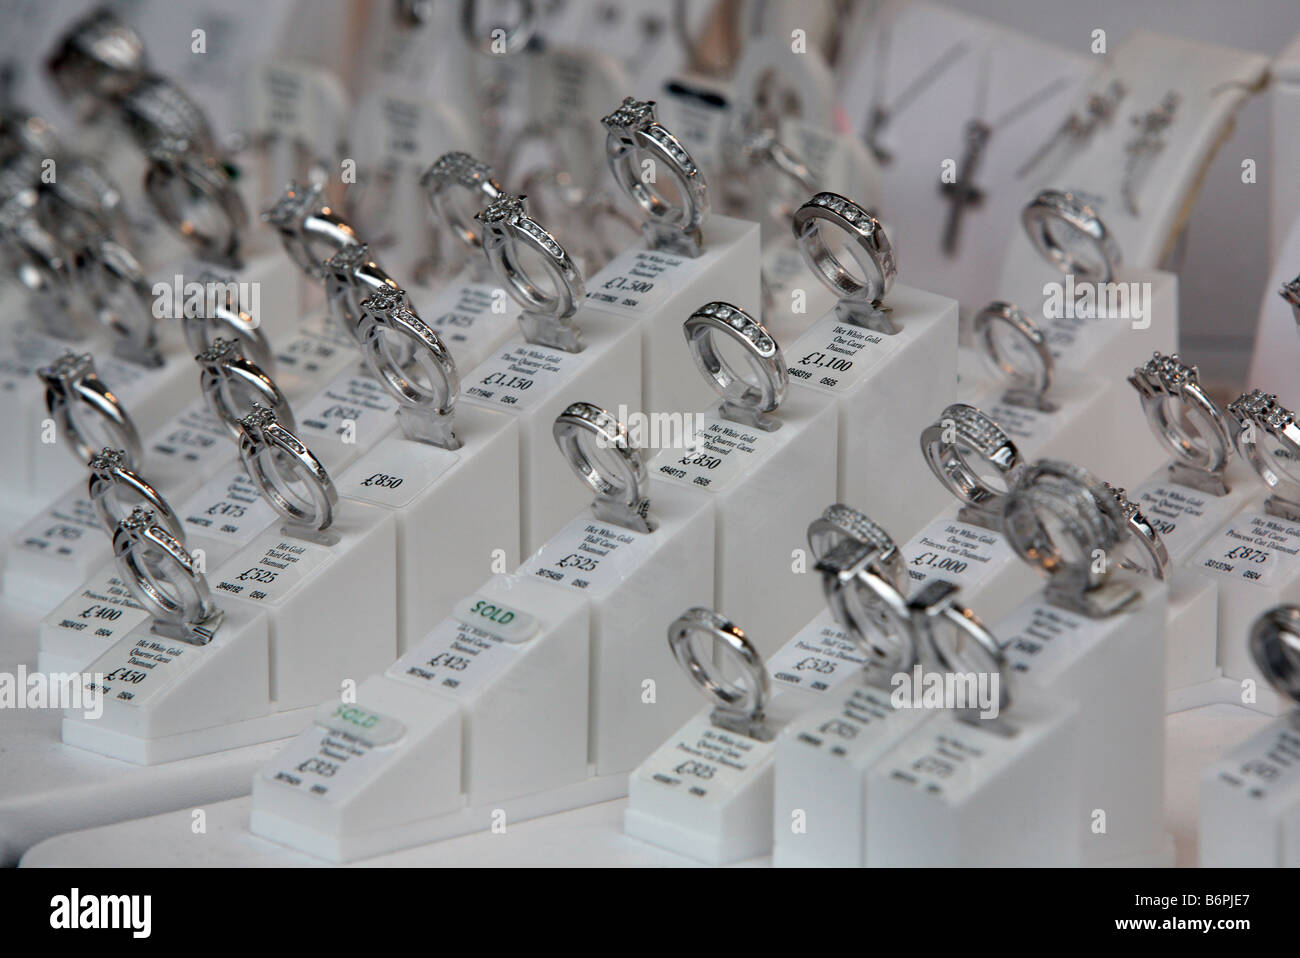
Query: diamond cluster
pixel 220 350
pixel 348 258
pixel 1262 408
pixel 69 366
pixel 858 526
pixel 741 322
pixel 108 460
pixel 1169 372
pixel 976 428
pixel 458 167
pixel 293 206
pixel 1120 495
pixel 632 114
pixel 139 520
pixel 850 211
pixel 507 208
pixel 384 299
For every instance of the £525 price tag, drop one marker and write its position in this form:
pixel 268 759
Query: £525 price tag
pixel 589 555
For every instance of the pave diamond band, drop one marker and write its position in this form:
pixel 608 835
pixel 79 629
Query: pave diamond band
pixel 963 431
pixel 619 479
pixel 1069 234
pixel 746 399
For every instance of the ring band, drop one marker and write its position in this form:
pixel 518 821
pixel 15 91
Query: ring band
pixel 1256 412
pixel 86 411
pixel 122 300
pixel 148 560
pixel 954 640
pixel 223 317
pixel 744 399
pixel 232 387
pixel 459 173
pixel 839 523
pixel 870 248
pixel 1171 394
pixel 739 706
pixel 634 135
pixel 306 224
pixel 42 266
pixel 351 274
pixel 1275 648
pixel 99 55
pixel 962 429
pixel 194 194
pixel 620 493
pixel 1153 555
pixel 1051 209
pixel 868 606
pixel 1025 361
pixel 112 481
pixel 275 459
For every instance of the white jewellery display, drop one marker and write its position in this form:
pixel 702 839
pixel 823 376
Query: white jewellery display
pixel 882 368
pixel 752 455
pixel 533 379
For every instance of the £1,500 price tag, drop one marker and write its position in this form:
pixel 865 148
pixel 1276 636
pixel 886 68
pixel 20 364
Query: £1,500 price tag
pixel 635 281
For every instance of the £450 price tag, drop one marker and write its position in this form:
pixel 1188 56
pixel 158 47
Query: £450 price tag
pixel 137 669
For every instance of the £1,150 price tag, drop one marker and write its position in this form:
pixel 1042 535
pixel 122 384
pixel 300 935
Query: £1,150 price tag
pixel 521 375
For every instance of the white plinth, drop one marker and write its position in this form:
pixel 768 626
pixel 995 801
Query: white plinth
pixel 535 384
pixel 224 515
pixel 1114 670
pixel 885 390
pixel 474 320
pixel 962 792
pixel 659 290
pixel 457 513
pixel 451 731
pixel 636 584
pixel 1249 801
pixel 765 488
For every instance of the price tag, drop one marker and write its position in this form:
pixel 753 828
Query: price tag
pixel 1252 547
pixel 636 281
pixel 337 411
pixel 589 555
pixel 819 658
pixel 195 439
pixel 955 552
pixel 721 449
pixel 1268 762
pixel 465 650
pixel 330 761
pixel 69 529
pixel 395 472
pixel 521 375
pixel 229 507
pixel 137 669
pixel 267 570
pixel 833 355
pixel 1021 423
pixel 463 316
pixel 941 764
pixel 103 608
pixel 1181 515
pixel 702 760
pixel 1038 637
pixel 865 721
pixel 309 359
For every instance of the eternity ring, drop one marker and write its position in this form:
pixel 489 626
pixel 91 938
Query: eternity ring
pixel 1186 420
pixel 954 640
pixel 98 55
pixel 596 445
pixel 738 705
pixel 839 523
pixel 233 386
pixel 1058 526
pixel 869 606
pixel 278 463
pixel 451 176
pixel 85 411
pixel 508 230
pixel 860 296
pixel 113 482
pixel 1101 493
pixel 194 194
pixel 511 38
pixel 1068 234
pixel 223 316
pixel 310 231
pixel 1269 439
pixel 1017 350
pixel 351 275
pixel 426 407
pixel 745 399
pixel 122 299
pixel 156 110
pixel 1152 556
pixel 634 135
pixel 1275 647
pixel 963 431
pixel 165 580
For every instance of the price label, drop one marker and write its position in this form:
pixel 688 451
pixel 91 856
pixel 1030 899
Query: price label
pixel 395 472
pixel 521 375
pixel 195 440
pixel 267 570
pixel 338 410
pixel 864 723
pixel 940 764
pixel 103 609
pixel 636 281
pixel 1038 637
pixel 463 317
pixel 140 666
pixel 818 659
pixel 589 555
pixel 333 758
pixel 833 356
pixel 457 656
pixel 955 552
pixel 229 507
pixel 720 449
pixel 703 761
pixel 1252 547
pixel 309 360
pixel 1022 424
pixel 1181 515
pixel 1268 762
pixel 68 530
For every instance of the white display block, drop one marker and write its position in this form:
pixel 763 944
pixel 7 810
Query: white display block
pixel 819 812
pixel 1249 801
pixel 487 715
pixel 792 297
pixel 1113 668
pixel 457 513
pixel 537 383
pixel 707 791
pixel 765 488
pixel 1255 559
pixel 224 515
pixel 961 791
pixel 472 319
pixel 885 389
pixel 88 622
pixel 331 610
pixel 635 583
pixel 658 290
pixel 310 355
pixel 347 417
